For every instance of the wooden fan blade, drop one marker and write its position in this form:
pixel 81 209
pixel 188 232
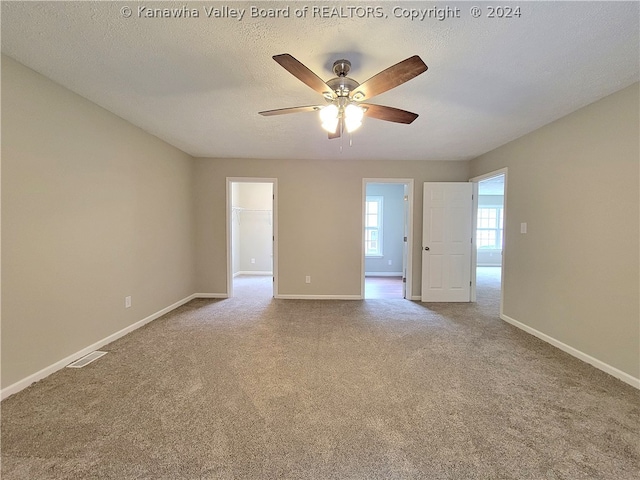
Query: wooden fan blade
pixel 302 73
pixel 283 111
pixel 390 114
pixel 391 77
pixel 338 132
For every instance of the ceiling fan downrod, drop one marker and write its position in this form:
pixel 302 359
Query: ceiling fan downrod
pixel 341 67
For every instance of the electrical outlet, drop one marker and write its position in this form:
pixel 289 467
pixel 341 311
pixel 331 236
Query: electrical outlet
pixel 307 279
pixel 253 260
pixel 127 302
pixel 390 262
pixel 523 227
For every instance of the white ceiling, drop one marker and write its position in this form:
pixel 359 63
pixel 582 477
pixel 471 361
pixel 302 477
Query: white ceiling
pixel 198 83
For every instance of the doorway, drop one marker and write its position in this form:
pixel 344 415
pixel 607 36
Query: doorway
pixel 387 238
pixel 489 238
pixel 251 234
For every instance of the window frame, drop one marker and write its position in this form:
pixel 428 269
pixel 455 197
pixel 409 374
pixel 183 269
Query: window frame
pixel 498 229
pixel 378 252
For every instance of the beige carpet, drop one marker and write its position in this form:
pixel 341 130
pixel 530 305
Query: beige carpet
pixel 253 387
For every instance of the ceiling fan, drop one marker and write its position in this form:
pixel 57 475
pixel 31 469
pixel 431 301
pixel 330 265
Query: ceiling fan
pixel 344 96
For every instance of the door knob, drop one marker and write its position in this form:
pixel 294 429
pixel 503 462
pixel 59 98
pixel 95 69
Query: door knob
pixel 426 248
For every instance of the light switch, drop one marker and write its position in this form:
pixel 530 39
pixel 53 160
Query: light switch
pixel 523 227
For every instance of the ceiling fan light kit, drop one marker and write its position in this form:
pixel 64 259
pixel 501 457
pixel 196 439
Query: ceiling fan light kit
pixel 350 112
pixel 344 95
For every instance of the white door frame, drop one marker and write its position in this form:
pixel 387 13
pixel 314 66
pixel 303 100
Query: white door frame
pixel 474 250
pixel 409 183
pixel 274 182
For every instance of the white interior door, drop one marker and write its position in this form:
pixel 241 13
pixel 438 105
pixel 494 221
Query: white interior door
pixel 446 242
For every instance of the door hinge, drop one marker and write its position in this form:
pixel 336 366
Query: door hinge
pixel 405 239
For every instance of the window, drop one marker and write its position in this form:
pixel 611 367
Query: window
pixel 373 226
pixel 489 233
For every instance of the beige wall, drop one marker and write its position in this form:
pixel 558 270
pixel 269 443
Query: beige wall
pixel 319 218
pixel 93 209
pixel 574 274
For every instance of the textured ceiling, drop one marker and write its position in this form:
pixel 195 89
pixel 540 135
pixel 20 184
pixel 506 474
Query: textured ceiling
pixel 198 83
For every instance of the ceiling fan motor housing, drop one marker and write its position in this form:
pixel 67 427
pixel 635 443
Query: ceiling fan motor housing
pixel 341 84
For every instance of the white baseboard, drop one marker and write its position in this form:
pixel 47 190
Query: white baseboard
pixel 319 297
pixel 417 298
pixel 253 272
pixel 382 274
pixel 210 295
pixel 605 367
pixel 45 372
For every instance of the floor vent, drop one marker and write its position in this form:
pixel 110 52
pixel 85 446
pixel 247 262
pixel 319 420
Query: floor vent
pixel 87 359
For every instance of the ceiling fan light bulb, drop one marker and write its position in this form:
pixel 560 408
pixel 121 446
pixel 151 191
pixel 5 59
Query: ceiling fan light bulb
pixel 329 117
pixel 353 117
pixel 330 125
pixel 329 113
pixel 354 112
pixel 352 126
